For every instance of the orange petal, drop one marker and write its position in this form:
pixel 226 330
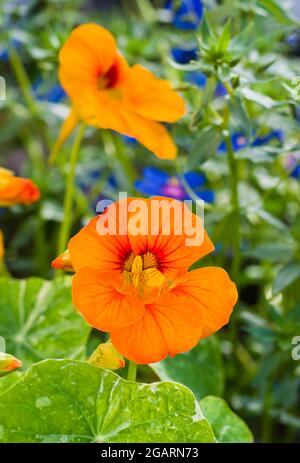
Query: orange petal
pixel 153 135
pixel 103 302
pixel 213 291
pixel 112 114
pixel 89 52
pixel 90 248
pixel 168 327
pixel 171 226
pixel 151 97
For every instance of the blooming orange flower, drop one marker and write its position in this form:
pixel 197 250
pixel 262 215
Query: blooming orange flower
pixel 16 190
pixel 137 287
pixel 107 93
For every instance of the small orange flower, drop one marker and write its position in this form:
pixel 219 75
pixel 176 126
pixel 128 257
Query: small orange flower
pixel 107 93
pixel 16 190
pixel 137 287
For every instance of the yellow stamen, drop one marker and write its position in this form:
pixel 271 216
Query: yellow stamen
pixel 142 272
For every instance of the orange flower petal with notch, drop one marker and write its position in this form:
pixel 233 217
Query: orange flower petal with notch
pixel 89 52
pixel 169 326
pixel 104 301
pixel 151 97
pixel 105 252
pixel 197 305
pixel 214 293
pixel 107 93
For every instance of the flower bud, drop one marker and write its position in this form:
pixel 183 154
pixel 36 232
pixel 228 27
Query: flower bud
pixel 8 363
pixel 63 262
pixel 106 356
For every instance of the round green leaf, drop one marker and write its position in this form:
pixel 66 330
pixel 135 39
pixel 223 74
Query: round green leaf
pixel 71 401
pixel 8 380
pixel 38 320
pixel 200 369
pixel 227 426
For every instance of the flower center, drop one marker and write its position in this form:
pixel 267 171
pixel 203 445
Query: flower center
pixel 108 81
pixel 174 188
pixel 142 272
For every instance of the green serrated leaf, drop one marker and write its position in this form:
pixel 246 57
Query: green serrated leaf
pixel 38 320
pixel 227 425
pixel 200 369
pixel 69 401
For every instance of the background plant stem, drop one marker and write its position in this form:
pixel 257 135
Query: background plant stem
pixel 65 228
pixel 26 89
pixel 236 235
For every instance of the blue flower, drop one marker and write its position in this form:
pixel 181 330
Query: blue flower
pixel 156 182
pixel 129 140
pixel 187 15
pixel 53 94
pixel 199 79
pixel 239 141
pixel 183 55
pixel 296 172
pixel 292 165
pixel 273 135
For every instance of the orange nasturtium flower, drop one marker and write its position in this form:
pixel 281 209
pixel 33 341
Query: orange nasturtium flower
pixel 136 286
pixel 107 93
pixel 16 190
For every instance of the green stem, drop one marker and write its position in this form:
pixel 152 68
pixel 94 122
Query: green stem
pixel 132 369
pixel 191 192
pixel 114 149
pixel 234 180
pixel 209 91
pixel 228 88
pixel 25 86
pixel 146 10
pixel 65 228
pixel 207 96
pixel 23 80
